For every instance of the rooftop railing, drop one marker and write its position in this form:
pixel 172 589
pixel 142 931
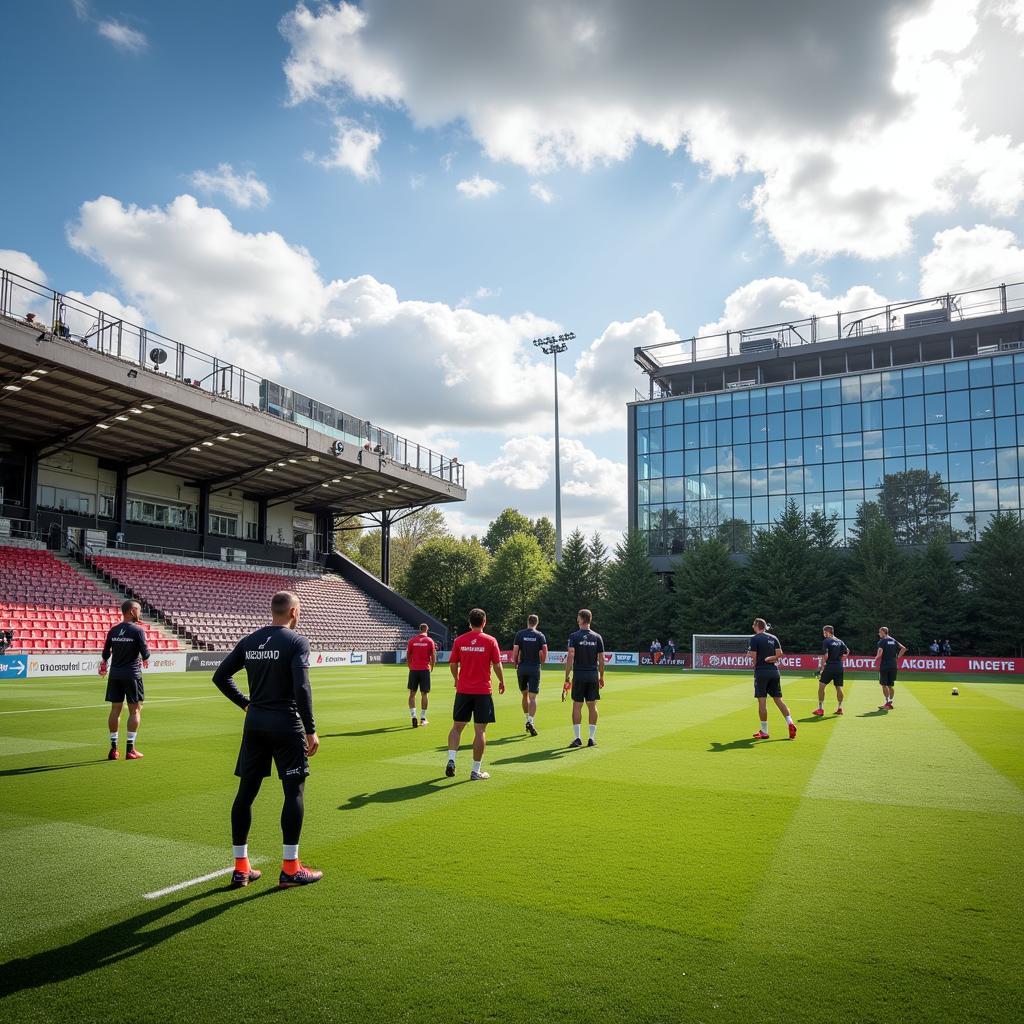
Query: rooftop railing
pixel 59 315
pixel 856 323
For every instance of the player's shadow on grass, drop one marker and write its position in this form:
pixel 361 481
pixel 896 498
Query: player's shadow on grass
pixel 398 794
pixel 817 718
pixel 36 769
pixel 745 744
pixel 874 714
pixel 367 732
pixel 116 942
pixel 538 755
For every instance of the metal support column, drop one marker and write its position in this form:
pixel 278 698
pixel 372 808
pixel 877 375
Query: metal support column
pixel 261 520
pixel 385 547
pixel 204 514
pixel 121 499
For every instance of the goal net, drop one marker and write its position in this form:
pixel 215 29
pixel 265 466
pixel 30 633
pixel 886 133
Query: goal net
pixel 721 650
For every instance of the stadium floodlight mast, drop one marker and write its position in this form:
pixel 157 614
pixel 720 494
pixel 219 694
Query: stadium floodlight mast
pixel 551 346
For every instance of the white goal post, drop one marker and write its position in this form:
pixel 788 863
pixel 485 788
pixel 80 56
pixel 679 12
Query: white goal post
pixel 721 651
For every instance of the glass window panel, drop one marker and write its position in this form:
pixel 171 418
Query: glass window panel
pixel 934 379
pixel 985 465
pixel 1009 495
pixel 1006 462
pixel 1018 366
pixel 673 463
pixel 741 484
pixel 935 408
pixel 741 456
pixel 892 384
pixel 707 407
pixel 956 376
pixel 813 478
pixel 675 488
pixel 741 509
pixel 980 373
pixel 853 447
pixel 1004 400
pixel 892 413
pixel 811 422
pixel 871 387
pixel 776 481
pixel 793 395
pixel 691 462
pixel 723 407
pixel 982 402
pixel 759 456
pixel 691 435
pixel 1018 390
pixel 643 517
pixel 776 400
pixel 656 414
pixel 916 462
pixel 725 462
pixel 642 415
pixel 691 410
pixel 708 459
pixel 833 447
pixel 776 508
pixel 814 450
pixel 692 487
pixel 725 485
pixel 832 420
pixel 983 434
pixel 673 438
pixel 741 430
pixel 776 453
pixel 913 383
pixel 914 440
pixel 873 445
pixel 776 426
pixel 958 406
pixel 814 502
pixel 895 466
pixel 759 481
pixel 892 443
pixel 794 481
pixel 657 466
pixel 673 412
pixel 758 428
pixel 725 431
pixel 958 436
pixel 794 424
pixel 962 526
pixel 913 411
pixel 853 475
pixel 834 475
pixel 794 453
pixel 963 497
pixel 986 495
pixel 657 492
pixel 643 466
pixel 757 402
pixel 874 470
pixel 655 438
pixel 642 443
pixel 643 491
pixel 851 389
pixel 708 433
pixel 960 466
pixel 831 392
pixel 741 404
pixel 871 416
pixel 851 418
pixel 852 502
pixel 708 485
pixel 759 511
pixel 939 464
pixel 811 394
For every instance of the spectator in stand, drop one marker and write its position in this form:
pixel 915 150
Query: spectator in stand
pixel 947 648
pixel 6 639
pixel 934 647
pixel 670 649
pixel 655 646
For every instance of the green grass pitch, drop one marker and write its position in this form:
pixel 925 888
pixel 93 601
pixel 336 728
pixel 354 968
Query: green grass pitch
pixel 869 871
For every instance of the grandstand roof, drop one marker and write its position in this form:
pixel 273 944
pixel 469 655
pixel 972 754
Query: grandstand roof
pixel 56 394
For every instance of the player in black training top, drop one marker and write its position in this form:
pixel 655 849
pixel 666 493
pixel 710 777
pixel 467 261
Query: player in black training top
pixel 529 652
pixel 584 674
pixel 830 669
pixel 888 652
pixel 767 682
pixel 127 654
pixel 279 727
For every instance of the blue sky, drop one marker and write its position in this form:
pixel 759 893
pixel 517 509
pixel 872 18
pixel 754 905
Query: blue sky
pixel 617 180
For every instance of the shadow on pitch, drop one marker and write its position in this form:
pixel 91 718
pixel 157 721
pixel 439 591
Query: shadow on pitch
pixel 115 943
pixel 747 744
pixel 467 738
pixel 874 714
pixel 399 793
pixel 36 769
pixel 367 732
pixel 538 756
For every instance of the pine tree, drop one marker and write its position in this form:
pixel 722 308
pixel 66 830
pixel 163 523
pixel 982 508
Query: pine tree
pixel 708 592
pixel 597 553
pixel 571 588
pixel 634 608
pixel 942 594
pixel 995 568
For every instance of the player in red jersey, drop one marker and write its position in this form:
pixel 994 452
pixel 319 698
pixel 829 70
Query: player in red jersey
pixel 473 654
pixel 421 653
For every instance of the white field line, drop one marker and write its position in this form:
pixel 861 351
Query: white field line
pixel 192 881
pixel 81 707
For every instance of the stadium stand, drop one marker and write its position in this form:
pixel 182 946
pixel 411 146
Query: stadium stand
pixel 51 607
pixel 215 607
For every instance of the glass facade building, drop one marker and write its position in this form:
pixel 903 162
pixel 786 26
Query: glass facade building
pixel 948 436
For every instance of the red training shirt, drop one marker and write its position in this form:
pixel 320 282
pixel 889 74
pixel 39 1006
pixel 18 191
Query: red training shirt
pixel 474 653
pixel 418 652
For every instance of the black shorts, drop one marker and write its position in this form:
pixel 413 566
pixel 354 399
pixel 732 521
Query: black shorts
pixel 285 748
pixel 419 679
pixel 529 678
pixel 121 690
pixel 887 676
pixel 586 687
pixel 831 674
pixel 476 707
pixel 768 685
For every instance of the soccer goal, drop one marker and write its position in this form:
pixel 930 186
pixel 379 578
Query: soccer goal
pixel 721 650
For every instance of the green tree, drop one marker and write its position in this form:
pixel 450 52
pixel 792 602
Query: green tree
pixel 347 533
pixel 709 595
pixel 597 552
pixel 785 583
pixel 634 608
pixel 995 570
pixel 916 504
pixel 881 590
pixel 518 575
pixel 735 534
pixel 508 522
pixel 544 530
pixel 368 551
pixel 941 592
pixel 573 586
pixel 443 574
pixel 408 535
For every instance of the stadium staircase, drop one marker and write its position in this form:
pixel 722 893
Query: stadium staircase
pixel 50 606
pixel 212 606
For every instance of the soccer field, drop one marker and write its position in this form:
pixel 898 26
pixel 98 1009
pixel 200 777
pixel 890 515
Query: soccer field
pixel 868 871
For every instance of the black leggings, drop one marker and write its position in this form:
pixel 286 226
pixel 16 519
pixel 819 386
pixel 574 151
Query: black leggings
pixel 291 812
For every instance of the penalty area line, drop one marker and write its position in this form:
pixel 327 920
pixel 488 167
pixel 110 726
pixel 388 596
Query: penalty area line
pixel 192 881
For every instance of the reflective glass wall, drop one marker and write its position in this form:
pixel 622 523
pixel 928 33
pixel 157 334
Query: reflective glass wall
pixel 941 447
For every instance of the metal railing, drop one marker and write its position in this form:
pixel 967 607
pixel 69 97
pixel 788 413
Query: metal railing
pixel 857 323
pixel 59 315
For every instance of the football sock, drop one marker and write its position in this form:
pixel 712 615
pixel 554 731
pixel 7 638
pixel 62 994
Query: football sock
pixel 412 711
pixel 290 858
pixel 576 731
pixel 131 738
pixel 821 704
pixel 451 755
pixel 476 765
pixel 113 739
pixel 593 730
pixel 241 855
pixel 789 719
pixel 764 727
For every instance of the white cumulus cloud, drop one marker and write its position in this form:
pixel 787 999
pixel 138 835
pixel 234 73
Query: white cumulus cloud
pixel 353 149
pixel 540 191
pixel 965 258
pixel 243 190
pixel 479 188
pixel 123 36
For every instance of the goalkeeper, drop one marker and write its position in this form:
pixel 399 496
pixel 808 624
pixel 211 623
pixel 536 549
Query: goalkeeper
pixel 830 669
